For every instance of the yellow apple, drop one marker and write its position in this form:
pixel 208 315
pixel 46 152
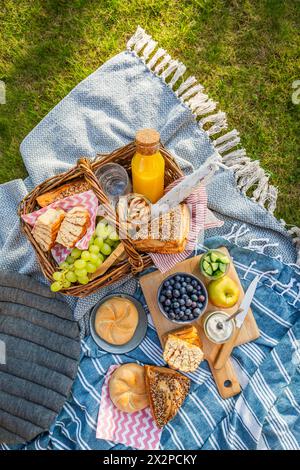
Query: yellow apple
pixel 223 292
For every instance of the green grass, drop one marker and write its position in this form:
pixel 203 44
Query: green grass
pixel 243 52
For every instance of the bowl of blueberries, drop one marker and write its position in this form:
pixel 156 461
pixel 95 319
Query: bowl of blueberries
pixel 182 298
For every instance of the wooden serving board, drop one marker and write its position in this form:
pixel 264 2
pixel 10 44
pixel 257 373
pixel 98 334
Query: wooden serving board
pixel 225 378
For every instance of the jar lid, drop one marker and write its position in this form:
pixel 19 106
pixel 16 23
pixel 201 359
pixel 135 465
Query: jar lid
pixel 147 137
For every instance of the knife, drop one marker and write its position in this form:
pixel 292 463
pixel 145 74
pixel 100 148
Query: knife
pixel 226 348
pixel 183 189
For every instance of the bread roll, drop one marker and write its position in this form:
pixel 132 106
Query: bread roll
pixel 127 388
pixel 116 320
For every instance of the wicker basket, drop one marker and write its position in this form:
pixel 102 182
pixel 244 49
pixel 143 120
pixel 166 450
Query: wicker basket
pixel 135 262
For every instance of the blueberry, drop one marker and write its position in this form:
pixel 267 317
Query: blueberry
pixel 180 314
pixel 162 299
pixel 200 305
pixel 185 296
pixel 188 279
pixel 177 285
pixel 188 311
pixel 184 317
pixel 194 297
pixel 177 311
pixel 176 305
pixel 172 282
pixel 177 278
pixel 183 308
pixel 184 284
pixel 164 291
pixel 176 293
pixel 169 294
pixel 188 302
pixel 202 298
pixel 196 312
pixel 181 302
pixel 189 289
pixel 168 302
pixel 191 317
pixel 171 314
pixel 194 305
pixel 183 290
pixel 166 309
pixel 167 283
pixel 194 282
pixel 199 288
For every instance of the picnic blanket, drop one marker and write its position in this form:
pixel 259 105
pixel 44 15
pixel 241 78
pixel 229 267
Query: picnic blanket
pixel 145 87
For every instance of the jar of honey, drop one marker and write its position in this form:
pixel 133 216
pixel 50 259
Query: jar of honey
pixel 148 165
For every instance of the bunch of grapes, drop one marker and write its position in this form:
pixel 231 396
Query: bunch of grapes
pixel 80 263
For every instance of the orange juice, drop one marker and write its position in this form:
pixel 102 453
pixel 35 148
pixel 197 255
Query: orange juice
pixel 148 165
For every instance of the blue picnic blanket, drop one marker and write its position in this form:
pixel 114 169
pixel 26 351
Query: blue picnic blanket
pixel 143 87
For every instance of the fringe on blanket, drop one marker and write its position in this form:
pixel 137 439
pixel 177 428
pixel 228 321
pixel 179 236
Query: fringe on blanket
pixel 248 173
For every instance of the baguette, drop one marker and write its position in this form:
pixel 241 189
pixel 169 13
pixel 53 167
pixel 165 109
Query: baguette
pixel 76 186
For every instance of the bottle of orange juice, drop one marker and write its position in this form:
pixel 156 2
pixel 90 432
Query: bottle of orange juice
pixel 148 165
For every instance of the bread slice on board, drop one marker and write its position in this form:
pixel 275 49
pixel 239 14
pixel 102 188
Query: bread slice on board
pixel 182 349
pixel 167 389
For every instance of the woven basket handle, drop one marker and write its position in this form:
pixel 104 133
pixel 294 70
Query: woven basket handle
pixel 134 258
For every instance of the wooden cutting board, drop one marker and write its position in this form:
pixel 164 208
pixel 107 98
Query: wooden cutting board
pixel 225 378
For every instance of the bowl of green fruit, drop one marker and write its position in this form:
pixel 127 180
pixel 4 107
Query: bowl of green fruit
pixel 214 264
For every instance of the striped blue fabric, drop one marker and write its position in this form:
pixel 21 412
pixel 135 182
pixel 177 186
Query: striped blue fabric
pixel 266 415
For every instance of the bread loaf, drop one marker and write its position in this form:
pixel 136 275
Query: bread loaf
pixel 166 234
pixel 127 388
pixel 46 228
pixel 74 227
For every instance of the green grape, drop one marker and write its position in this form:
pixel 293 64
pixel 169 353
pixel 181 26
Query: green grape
pixel 92 239
pixel 70 259
pixel 109 242
pixel 99 262
pixel 85 255
pixel 64 265
pixel 71 277
pixel 80 264
pixel 80 272
pixel 93 258
pixel 56 286
pixel 114 236
pixel 94 249
pixel 99 242
pixel 57 276
pixel 66 284
pixel 106 249
pixel 83 280
pixel 91 268
pixel 75 253
pixel 101 256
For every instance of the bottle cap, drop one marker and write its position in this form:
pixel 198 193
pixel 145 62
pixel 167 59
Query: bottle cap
pixel 147 138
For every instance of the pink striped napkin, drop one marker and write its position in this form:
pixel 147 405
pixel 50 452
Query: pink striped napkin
pixel 89 201
pixel 201 219
pixel 137 430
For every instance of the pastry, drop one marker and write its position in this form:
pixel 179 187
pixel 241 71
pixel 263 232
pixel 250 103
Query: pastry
pixel 127 388
pixel 46 228
pixel 74 227
pixel 167 389
pixel 183 349
pixel 166 234
pixel 116 320
pixel 76 186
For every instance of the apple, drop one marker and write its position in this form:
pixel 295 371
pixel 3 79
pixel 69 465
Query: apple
pixel 223 292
